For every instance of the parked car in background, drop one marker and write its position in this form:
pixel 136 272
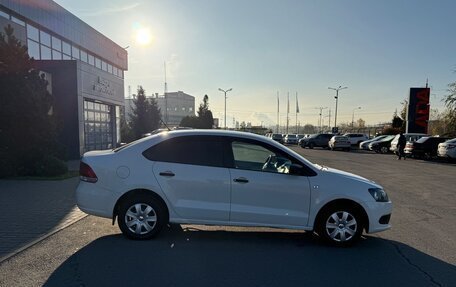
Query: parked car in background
pixel 226 178
pixel 356 139
pixel 410 137
pixel 425 147
pixel 277 137
pixel 383 145
pixel 290 139
pixel 339 142
pixel 447 149
pixel 365 144
pixel 317 140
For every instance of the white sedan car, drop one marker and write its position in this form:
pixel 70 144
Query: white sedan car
pixel 447 149
pixel 226 178
pixel 339 142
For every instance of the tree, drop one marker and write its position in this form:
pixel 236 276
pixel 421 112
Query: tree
pixel 404 114
pixel 204 120
pixel 205 115
pixel 126 134
pixel 450 104
pixel 397 122
pixel 361 123
pixel 28 129
pixel 145 116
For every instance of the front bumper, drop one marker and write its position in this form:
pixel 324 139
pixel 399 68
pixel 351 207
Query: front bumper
pixel 377 212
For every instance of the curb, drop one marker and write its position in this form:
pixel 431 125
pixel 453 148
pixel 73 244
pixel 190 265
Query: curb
pixel 39 239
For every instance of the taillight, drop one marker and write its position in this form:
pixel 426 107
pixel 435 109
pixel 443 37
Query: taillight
pixel 86 173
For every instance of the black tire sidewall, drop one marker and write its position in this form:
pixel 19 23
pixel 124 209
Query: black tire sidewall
pixel 141 198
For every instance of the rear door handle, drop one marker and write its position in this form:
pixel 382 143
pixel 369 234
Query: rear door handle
pixel 167 173
pixel 241 180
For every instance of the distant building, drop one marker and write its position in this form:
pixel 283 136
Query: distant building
pixel 84 68
pixel 174 106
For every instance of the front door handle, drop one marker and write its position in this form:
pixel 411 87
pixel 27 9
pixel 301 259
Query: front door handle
pixel 167 173
pixel 241 180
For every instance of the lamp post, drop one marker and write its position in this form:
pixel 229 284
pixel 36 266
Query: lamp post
pixel 230 89
pixel 353 116
pixel 337 99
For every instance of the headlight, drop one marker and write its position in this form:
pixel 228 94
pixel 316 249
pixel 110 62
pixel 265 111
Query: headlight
pixel 379 194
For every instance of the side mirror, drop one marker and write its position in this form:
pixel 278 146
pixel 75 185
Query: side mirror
pixel 296 169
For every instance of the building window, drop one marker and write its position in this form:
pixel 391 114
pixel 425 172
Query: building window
pixel 190 109
pixel 4 15
pixel 45 38
pixel 98 63
pixel 110 68
pixel 75 53
pixel 91 60
pixel 18 21
pixel 183 109
pixel 66 48
pixel 33 49
pixel 66 57
pixel 98 126
pixel 56 55
pixel 33 33
pixel 115 70
pixel 45 53
pixel 120 73
pixel 84 56
pixel 56 44
pixel 104 67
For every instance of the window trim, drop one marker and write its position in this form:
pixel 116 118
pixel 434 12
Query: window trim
pixel 184 138
pixel 229 162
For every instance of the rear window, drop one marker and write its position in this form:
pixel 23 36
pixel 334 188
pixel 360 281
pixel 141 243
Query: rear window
pixel 422 140
pixel 344 138
pixel 195 150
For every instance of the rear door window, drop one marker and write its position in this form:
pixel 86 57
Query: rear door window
pixel 194 150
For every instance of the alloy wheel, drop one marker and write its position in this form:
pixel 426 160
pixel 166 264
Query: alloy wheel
pixel 341 226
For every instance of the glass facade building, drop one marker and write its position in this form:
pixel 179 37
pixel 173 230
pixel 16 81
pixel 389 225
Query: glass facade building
pixel 84 67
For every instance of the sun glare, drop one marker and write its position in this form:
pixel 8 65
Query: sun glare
pixel 143 36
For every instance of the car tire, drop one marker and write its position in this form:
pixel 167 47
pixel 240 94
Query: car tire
pixel 141 216
pixel 311 145
pixel 340 225
pixel 383 149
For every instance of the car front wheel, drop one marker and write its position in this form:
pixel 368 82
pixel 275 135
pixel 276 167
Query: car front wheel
pixel 141 217
pixel 340 226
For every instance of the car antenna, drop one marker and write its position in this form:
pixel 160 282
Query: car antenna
pixel 164 124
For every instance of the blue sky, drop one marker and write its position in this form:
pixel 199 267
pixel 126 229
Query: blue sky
pixel 378 49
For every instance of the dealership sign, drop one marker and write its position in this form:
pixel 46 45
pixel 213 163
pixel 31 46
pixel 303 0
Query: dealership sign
pixel 418 111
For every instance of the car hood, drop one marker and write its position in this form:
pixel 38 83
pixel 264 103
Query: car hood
pixel 345 174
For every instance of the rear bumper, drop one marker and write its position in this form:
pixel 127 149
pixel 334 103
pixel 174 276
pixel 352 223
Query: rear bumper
pixel 94 200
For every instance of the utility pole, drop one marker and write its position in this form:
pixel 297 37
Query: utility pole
pixel 230 89
pixel 278 113
pixel 321 112
pixel 166 97
pixel 329 120
pixel 337 99
pixel 353 116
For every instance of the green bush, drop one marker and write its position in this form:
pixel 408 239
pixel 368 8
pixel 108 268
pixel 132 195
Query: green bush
pixel 50 166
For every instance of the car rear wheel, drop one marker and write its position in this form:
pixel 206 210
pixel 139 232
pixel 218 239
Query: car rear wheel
pixel 141 217
pixel 384 149
pixel 340 226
